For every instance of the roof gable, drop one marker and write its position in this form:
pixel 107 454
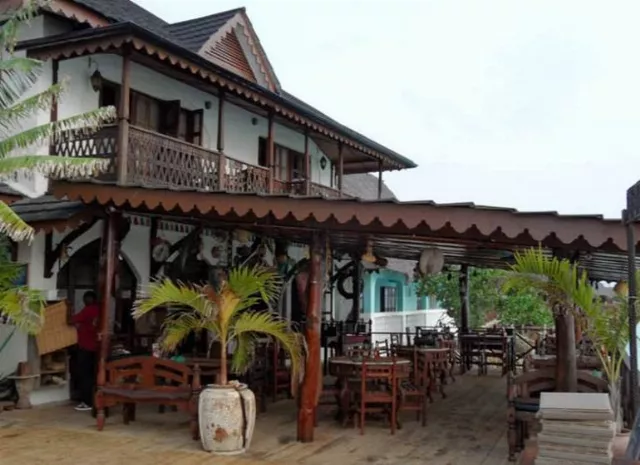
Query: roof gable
pixel 213 37
pixel 229 54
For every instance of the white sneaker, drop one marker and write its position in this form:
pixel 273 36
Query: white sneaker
pixel 82 407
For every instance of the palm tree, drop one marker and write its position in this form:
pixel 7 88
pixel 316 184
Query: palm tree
pixel 566 287
pixel 225 312
pixel 18 74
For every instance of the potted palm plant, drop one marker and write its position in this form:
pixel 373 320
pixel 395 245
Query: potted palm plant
pixel 226 410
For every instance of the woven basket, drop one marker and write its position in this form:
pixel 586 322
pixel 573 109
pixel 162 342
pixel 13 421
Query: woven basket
pixel 56 334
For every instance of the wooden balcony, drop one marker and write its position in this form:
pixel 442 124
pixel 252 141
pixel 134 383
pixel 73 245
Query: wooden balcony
pixel 160 161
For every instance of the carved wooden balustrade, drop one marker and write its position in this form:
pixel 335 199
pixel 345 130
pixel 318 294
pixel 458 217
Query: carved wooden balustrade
pixel 160 161
pixel 82 143
pixel 156 160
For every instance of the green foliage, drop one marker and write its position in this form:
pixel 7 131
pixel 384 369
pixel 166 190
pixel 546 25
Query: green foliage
pixel 565 287
pixel 225 312
pixel 18 75
pixel 19 305
pixel 522 306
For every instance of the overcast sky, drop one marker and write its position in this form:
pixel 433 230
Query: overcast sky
pixel 531 104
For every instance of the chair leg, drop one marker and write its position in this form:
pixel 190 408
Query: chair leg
pixel 512 436
pixel 125 414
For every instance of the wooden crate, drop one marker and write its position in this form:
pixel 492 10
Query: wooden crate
pixel 56 333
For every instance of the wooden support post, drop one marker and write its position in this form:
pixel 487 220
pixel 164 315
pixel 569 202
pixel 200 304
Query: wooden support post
pixel 311 383
pixel 307 164
pixel 464 299
pixel 566 358
pixel 633 318
pixel 123 118
pixel 380 184
pixel 340 167
pixel 222 160
pixel 108 267
pixel 271 152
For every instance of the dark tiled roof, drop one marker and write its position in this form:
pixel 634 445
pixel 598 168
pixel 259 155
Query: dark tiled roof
pixel 127 11
pixel 46 208
pixel 365 186
pixel 7 190
pixel 193 33
pixel 348 131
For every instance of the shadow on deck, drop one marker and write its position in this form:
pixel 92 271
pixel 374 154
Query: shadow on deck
pixel 467 427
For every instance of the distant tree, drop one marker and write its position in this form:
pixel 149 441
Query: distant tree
pixel 521 306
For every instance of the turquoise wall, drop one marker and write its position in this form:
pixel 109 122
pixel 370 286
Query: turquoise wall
pixel 406 293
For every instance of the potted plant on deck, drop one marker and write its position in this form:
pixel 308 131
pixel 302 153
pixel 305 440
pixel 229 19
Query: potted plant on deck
pixel 226 410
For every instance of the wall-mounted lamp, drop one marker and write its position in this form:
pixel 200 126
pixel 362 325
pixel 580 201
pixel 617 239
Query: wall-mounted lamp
pixel 96 81
pixel 207 104
pixel 323 163
pixel 254 121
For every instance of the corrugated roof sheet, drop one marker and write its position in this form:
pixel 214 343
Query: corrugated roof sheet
pixel 46 208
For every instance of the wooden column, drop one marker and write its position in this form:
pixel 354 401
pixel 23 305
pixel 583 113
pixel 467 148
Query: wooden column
pixel 340 167
pixel 566 358
pixel 380 180
pixel 307 163
pixel 108 267
pixel 123 118
pixel 311 383
pixel 464 299
pixel 633 320
pixel 222 161
pixel 270 152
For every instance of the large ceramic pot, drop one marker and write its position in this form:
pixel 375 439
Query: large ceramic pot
pixel 227 417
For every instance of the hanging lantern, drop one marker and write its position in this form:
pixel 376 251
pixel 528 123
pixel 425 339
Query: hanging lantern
pixel 431 261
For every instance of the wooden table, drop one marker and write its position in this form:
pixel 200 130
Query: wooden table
pixel 477 349
pixel 346 368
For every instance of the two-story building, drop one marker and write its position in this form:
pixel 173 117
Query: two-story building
pixel 200 108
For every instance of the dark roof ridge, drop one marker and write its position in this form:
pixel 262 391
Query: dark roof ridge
pixel 199 18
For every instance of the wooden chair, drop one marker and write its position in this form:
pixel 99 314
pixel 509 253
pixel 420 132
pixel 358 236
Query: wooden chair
pixel 349 342
pixel 382 348
pixel 437 368
pixel 280 373
pixel 257 378
pixel 451 345
pixel 377 393
pixel 152 380
pixel 524 401
pixel 413 391
pixel 395 341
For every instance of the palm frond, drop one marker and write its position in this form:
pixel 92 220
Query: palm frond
pixel 243 354
pixel 167 293
pixel 272 325
pixel 21 15
pixel 13 226
pixel 11 117
pixel 245 282
pixel 18 75
pixel 86 122
pixel 54 166
pixel 177 327
pixel 23 307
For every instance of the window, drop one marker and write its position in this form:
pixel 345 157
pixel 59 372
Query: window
pixel 388 299
pixel 288 165
pixel 422 303
pixel 163 116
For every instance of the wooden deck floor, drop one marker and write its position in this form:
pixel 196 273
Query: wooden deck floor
pixel 469 427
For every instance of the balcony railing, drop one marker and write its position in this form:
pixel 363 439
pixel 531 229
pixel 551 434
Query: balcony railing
pixel 160 161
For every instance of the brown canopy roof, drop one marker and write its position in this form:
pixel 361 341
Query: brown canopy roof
pixel 479 236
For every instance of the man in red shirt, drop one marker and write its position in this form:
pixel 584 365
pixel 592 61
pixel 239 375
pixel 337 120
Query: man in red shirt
pixel 86 322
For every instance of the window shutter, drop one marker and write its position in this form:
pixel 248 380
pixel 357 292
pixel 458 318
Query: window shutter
pixel 170 119
pixel 194 126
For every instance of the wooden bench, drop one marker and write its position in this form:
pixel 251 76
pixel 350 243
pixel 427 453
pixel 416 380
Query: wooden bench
pixel 523 393
pixel 150 380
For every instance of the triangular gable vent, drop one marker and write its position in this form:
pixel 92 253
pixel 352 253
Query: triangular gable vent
pixel 228 53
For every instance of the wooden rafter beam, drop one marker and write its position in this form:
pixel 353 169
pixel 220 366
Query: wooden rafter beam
pixel 53 254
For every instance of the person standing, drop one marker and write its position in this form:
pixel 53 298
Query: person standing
pixel 86 322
